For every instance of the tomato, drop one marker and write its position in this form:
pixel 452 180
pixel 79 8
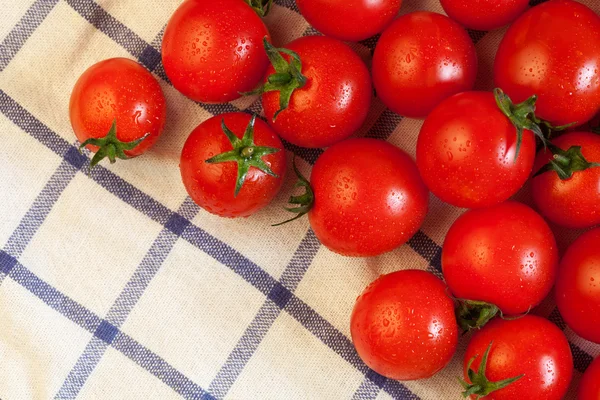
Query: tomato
pixel 578 286
pixel 368 197
pixel 420 60
pixel 212 50
pixel 589 387
pixel 504 255
pixel 117 109
pixel 484 15
pixel 403 325
pixel 233 165
pixel 553 51
pixel 334 98
pixel 353 20
pixel 575 201
pixel 531 348
pixel 466 152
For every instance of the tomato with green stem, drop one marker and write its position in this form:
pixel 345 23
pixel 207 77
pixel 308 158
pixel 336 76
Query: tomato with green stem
pixel 524 358
pixel 117 109
pixel 233 165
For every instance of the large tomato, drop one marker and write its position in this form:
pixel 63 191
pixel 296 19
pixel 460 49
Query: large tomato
pixel 233 165
pixel 330 98
pixel 353 20
pixel 420 60
pixel 505 255
pixel 484 15
pixel 528 358
pixel 466 152
pixel 589 387
pixel 117 109
pixel 403 325
pixel 568 193
pixel 553 51
pixel 578 286
pixel 212 50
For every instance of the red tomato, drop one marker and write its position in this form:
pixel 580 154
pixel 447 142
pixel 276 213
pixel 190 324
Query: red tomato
pixel 212 50
pixel 589 387
pixel 118 91
pixel 369 198
pixel 215 186
pixel 466 152
pixel 484 15
pixel 420 60
pixel 578 286
pixel 505 255
pixel 575 201
pixel 403 325
pixel 333 103
pixel 553 51
pixel 354 19
pixel 530 346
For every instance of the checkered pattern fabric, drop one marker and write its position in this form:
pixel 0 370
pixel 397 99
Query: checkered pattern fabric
pixel 115 285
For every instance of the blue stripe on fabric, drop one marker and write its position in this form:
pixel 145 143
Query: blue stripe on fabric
pixel 366 391
pixel 385 125
pixel 17 37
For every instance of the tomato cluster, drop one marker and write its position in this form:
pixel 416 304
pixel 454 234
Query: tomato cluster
pixel 365 196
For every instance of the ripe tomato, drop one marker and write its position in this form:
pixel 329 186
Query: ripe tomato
pixel 354 19
pixel 233 165
pixel 589 387
pixel 117 109
pixel 531 348
pixel 553 51
pixel 575 201
pixel 420 60
pixel 212 50
pixel 484 15
pixel 466 152
pixel 504 255
pixel 333 99
pixel 578 286
pixel 368 197
pixel 403 325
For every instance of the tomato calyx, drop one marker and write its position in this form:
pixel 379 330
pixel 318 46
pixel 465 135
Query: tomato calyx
pixel 473 314
pixel 245 153
pixel 480 385
pixel 111 147
pixel 304 201
pixel 566 162
pixel 261 7
pixel 287 77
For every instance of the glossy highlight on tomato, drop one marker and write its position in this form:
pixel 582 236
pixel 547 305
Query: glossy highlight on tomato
pixel 420 60
pixel 212 50
pixel 403 325
pixel 484 15
pixel 553 51
pixel 335 100
pixel 352 20
pixel 505 255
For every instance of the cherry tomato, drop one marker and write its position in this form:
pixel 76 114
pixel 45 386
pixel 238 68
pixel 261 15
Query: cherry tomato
pixel 484 15
pixel 553 51
pixel 589 387
pixel 117 109
pixel 212 50
pixel 574 201
pixel 504 255
pixel 334 100
pixel 578 286
pixel 466 152
pixel 531 348
pixel 354 19
pixel 420 60
pixel 233 165
pixel 403 325
pixel 368 197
